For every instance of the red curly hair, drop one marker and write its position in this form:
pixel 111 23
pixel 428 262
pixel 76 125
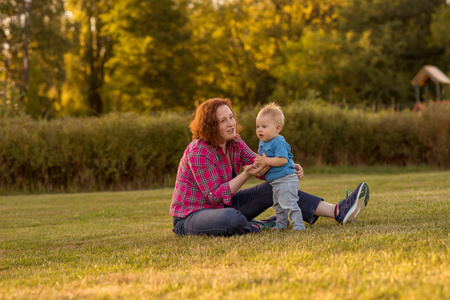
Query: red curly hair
pixel 205 124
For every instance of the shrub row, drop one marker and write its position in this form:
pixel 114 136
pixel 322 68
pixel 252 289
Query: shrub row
pixel 132 151
pixel 117 151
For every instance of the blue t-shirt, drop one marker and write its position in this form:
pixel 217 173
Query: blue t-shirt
pixel 277 147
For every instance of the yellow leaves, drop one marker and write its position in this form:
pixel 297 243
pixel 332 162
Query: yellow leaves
pixel 349 35
pixel 287 9
pixel 365 42
pixel 277 19
pixel 308 10
pixel 147 40
pixel 217 33
pixel 263 57
pixel 318 12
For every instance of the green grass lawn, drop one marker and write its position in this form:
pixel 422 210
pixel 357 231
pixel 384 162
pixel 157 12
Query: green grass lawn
pixel 120 245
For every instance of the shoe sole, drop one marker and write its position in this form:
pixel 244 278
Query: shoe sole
pixel 361 201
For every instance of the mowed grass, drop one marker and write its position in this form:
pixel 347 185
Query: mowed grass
pixel 119 245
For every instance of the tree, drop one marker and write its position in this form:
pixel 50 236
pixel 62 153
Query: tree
pixel 246 41
pixel 368 52
pixel 440 32
pixel 308 59
pixel 397 34
pixel 92 57
pixel 46 49
pixel 11 55
pixel 152 65
pixel 48 45
pixel 92 50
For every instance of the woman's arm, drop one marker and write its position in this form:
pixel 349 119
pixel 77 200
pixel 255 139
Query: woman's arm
pixel 237 182
pixel 247 158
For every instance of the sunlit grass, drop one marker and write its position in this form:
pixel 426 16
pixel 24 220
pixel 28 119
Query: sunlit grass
pixel 120 245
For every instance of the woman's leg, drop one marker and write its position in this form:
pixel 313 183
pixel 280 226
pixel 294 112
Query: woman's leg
pixel 348 209
pixel 308 204
pixel 253 201
pixel 325 209
pixel 214 222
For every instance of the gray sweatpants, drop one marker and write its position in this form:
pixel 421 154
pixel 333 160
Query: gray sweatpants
pixel 285 198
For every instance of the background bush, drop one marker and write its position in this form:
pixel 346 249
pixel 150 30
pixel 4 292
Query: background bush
pixel 117 151
pixel 134 151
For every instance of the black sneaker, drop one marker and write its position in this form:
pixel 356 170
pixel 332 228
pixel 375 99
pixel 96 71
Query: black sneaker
pixel 264 224
pixel 351 206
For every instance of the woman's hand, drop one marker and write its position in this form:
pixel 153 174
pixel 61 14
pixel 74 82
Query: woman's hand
pixel 298 171
pixel 255 170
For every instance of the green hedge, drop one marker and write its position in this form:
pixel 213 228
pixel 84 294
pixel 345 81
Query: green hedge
pixel 132 151
pixel 126 151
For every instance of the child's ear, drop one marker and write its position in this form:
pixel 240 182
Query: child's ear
pixel 279 127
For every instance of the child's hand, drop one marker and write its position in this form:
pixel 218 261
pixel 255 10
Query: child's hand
pixel 261 160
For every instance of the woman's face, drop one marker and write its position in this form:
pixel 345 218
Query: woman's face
pixel 227 123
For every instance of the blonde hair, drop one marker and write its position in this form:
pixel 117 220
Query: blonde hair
pixel 273 111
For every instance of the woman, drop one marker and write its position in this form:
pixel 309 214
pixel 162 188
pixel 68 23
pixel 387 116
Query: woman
pixel 207 199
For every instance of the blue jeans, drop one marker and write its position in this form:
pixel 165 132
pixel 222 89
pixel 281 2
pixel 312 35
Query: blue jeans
pixel 246 205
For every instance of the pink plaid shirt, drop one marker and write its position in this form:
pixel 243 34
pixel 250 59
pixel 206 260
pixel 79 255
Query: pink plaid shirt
pixel 204 173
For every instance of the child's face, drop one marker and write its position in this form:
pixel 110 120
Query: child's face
pixel 267 128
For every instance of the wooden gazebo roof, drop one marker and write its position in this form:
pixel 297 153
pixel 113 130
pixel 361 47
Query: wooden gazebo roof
pixel 430 72
pixel 427 73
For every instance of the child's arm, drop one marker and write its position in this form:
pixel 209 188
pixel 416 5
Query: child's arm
pixel 270 161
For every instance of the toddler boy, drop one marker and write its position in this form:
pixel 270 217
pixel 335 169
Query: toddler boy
pixel 275 152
